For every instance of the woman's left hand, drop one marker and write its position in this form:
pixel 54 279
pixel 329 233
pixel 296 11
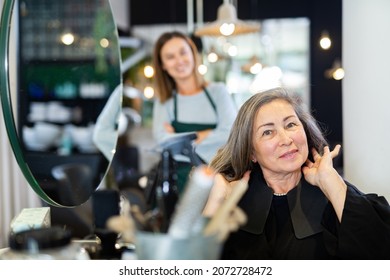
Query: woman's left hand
pixel 201 135
pixel 169 128
pixel 316 172
pixel 321 173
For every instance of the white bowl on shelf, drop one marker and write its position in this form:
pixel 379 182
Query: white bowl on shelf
pixel 41 137
pixel 82 138
pixel 30 140
pixel 47 133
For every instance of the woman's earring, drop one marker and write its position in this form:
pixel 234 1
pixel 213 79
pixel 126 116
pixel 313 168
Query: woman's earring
pixel 253 160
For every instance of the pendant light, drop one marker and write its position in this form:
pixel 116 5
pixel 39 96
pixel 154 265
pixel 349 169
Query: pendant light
pixel 227 23
pixel 336 72
pixel 253 66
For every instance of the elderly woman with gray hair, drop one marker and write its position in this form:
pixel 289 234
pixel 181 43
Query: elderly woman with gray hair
pixel 297 205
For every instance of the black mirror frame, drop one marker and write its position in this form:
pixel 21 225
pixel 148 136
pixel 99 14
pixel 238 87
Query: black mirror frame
pixel 6 103
pixel 5 95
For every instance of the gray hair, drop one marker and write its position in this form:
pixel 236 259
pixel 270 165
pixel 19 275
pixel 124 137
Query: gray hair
pixel 233 159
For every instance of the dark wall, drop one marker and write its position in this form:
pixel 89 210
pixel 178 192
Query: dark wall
pixel 175 11
pixel 325 93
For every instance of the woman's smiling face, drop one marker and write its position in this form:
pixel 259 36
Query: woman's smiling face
pixel 279 139
pixel 177 58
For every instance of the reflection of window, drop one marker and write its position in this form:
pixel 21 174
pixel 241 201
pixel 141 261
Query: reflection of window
pixel 281 48
pixel 72 29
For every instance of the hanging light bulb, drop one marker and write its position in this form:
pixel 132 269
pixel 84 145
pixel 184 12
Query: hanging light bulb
pixel 202 69
pixel 227 23
pixel 227 29
pixel 212 57
pixel 253 66
pixel 67 38
pixel 232 50
pixel 104 43
pixel 336 72
pixel 149 92
pixel 148 71
pixel 325 41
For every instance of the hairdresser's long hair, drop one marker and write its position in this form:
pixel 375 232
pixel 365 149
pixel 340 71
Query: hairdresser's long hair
pixel 165 84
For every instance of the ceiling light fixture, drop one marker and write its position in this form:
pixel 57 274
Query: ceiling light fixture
pixel 227 23
pixel 336 72
pixel 253 66
pixel 325 41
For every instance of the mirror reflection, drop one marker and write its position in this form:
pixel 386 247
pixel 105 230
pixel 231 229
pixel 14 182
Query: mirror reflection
pixel 67 95
pixel 279 53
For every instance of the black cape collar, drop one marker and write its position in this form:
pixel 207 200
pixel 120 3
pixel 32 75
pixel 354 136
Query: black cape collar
pixel 306 202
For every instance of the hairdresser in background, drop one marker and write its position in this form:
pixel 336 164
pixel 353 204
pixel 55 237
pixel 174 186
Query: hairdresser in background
pixel 298 206
pixel 186 102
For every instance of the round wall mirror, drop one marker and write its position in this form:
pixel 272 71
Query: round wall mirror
pixel 61 92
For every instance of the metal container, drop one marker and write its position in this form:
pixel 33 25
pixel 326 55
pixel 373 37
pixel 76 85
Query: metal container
pixel 157 246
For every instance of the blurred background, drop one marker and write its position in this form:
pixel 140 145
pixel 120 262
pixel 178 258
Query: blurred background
pixel 296 44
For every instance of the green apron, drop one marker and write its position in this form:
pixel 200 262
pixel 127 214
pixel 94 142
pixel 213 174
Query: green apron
pixel 184 168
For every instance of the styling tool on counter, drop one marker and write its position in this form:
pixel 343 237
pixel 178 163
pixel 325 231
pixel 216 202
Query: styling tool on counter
pixel 167 194
pixel 161 193
pixel 183 145
pixel 52 243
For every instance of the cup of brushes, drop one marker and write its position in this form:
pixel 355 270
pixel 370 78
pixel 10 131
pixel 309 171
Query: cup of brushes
pixel 190 234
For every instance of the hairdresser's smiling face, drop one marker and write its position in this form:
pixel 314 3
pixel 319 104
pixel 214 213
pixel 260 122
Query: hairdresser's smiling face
pixel 280 143
pixel 177 58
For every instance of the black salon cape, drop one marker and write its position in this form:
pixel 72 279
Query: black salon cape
pixel 303 225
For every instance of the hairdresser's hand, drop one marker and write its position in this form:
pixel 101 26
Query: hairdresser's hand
pixel 201 135
pixel 169 128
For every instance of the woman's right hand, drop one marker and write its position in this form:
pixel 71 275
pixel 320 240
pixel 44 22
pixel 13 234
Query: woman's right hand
pixel 225 216
pixel 220 192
